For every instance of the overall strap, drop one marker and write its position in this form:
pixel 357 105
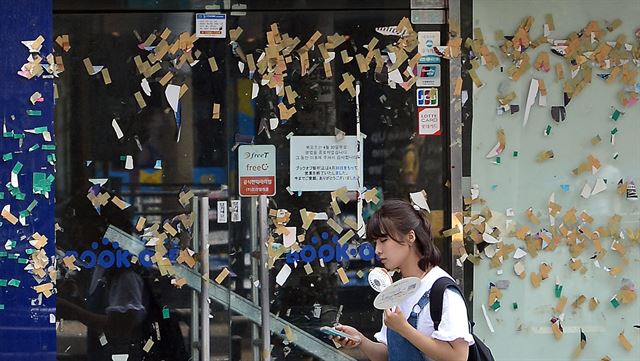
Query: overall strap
pixel 437 294
pixel 418 307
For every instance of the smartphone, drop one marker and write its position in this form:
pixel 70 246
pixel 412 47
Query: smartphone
pixel 331 331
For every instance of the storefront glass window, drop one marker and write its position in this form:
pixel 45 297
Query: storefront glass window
pixel 557 179
pixel 132 154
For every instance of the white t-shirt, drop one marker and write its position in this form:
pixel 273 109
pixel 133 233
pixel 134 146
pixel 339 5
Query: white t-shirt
pixel 454 323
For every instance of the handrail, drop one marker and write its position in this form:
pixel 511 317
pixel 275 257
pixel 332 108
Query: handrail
pixel 235 302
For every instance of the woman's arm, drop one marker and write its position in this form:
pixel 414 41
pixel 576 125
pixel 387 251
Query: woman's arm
pixel 88 318
pixel 375 351
pixel 435 349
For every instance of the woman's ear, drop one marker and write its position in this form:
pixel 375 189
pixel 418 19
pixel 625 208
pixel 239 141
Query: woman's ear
pixel 411 236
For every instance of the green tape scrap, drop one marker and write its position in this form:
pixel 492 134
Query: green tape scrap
pixel 41 183
pixel 496 305
pixel 165 313
pixel 7 156
pixel 17 168
pixel 34 113
pixel 558 291
pixel 14 282
pixel 15 192
pixel 615 303
pixel 48 147
pixel 34 147
pixel 616 115
pixel 32 205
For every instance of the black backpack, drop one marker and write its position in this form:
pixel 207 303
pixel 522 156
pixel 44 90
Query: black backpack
pixel 478 351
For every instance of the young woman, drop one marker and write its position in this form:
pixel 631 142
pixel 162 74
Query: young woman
pixel 402 236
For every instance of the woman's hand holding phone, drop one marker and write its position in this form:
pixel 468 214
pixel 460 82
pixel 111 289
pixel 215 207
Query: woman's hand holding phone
pixel 346 342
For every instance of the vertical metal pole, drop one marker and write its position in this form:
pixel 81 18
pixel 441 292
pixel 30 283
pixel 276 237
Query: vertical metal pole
pixel 255 275
pixel 359 167
pixel 204 291
pixel 264 280
pixel 194 330
pixel 455 139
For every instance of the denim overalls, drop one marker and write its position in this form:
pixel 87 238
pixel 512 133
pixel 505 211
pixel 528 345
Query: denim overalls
pixel 398 348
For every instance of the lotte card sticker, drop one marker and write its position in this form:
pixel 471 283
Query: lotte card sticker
pixel 429 121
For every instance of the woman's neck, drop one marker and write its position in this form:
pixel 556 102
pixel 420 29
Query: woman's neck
pixel 412 270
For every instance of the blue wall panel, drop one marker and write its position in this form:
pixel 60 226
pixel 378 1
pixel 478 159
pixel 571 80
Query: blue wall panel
pixel 27 329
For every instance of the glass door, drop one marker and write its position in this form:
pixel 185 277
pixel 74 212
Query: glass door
pixel 152 125
pixel 314 279
pixel 139 154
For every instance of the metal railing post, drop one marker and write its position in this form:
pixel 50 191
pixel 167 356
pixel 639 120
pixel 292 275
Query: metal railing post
pixel 194 330
pixel 455 140
pixel 264 280
pixel 255 275
pixel 204 290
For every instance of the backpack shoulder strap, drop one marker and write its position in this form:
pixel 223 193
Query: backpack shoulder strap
pixel 436 295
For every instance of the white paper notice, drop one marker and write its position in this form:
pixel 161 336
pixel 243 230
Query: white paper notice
pixel 222 211
pixel 211 26
pixel 322 163
pixel 236 215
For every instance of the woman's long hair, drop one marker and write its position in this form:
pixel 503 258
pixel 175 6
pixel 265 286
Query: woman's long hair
pixel 395 219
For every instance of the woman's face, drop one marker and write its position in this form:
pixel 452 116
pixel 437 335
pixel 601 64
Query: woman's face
pixel 393 253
